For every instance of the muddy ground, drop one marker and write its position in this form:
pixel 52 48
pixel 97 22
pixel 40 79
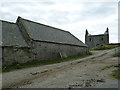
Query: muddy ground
pixel 88 72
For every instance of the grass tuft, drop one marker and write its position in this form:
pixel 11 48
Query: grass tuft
pixel 117 54
pixel 115 74
pixel 106 67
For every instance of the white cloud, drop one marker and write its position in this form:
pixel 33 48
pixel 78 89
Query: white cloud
pixel 72 15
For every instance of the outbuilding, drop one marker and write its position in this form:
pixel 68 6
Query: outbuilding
pixel 27 41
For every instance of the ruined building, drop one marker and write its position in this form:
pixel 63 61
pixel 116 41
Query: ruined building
pixel 97 40
pixel 27 41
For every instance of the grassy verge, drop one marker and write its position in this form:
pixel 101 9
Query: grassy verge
pixel 115 74
pixel 43 62
pixel 105 47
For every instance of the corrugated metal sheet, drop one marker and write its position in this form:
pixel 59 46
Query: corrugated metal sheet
pixel 46 33
pixel 11 35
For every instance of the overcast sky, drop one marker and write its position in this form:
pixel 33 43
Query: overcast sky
pixel 74 16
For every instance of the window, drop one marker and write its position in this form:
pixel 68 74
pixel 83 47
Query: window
pixel 97 44
pixel 102 39
pixel 90 39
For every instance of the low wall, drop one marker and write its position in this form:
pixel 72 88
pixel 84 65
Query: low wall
pixel 40 51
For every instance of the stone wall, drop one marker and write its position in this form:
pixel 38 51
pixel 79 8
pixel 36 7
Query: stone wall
pixel 0 57
pixel 0 52
pixel 46 50
pixel 96 40
pixel 14 55
pixel 40 51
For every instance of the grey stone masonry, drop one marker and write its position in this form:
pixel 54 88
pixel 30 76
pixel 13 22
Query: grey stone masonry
pixel 97 40
pixel 29 41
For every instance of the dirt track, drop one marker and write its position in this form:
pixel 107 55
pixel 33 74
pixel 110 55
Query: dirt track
pixel 85 72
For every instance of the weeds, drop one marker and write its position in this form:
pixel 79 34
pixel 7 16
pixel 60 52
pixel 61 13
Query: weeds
pixel 115 74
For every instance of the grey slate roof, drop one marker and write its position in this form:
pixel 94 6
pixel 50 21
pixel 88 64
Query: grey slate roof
pixel 11 35
pixel 42 32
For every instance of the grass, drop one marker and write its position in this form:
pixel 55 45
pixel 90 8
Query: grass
pixel 117 54
pixel 106 67
pixel 39 63
pixel 105 47
pixel 115 74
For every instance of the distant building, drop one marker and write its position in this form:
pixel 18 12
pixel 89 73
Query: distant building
pixel 97 40
pixel 27 41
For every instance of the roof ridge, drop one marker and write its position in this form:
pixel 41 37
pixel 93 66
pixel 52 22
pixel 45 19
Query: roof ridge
pixel 7 22
pixel 43 24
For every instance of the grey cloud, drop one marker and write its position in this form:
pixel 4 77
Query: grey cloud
pixel 58 17
pixel 45 12
pixel 47 2
pixel 98 12
pixel 89 12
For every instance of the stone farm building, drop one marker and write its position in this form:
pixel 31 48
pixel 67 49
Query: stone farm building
pixel 97 40
pixel 26 41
